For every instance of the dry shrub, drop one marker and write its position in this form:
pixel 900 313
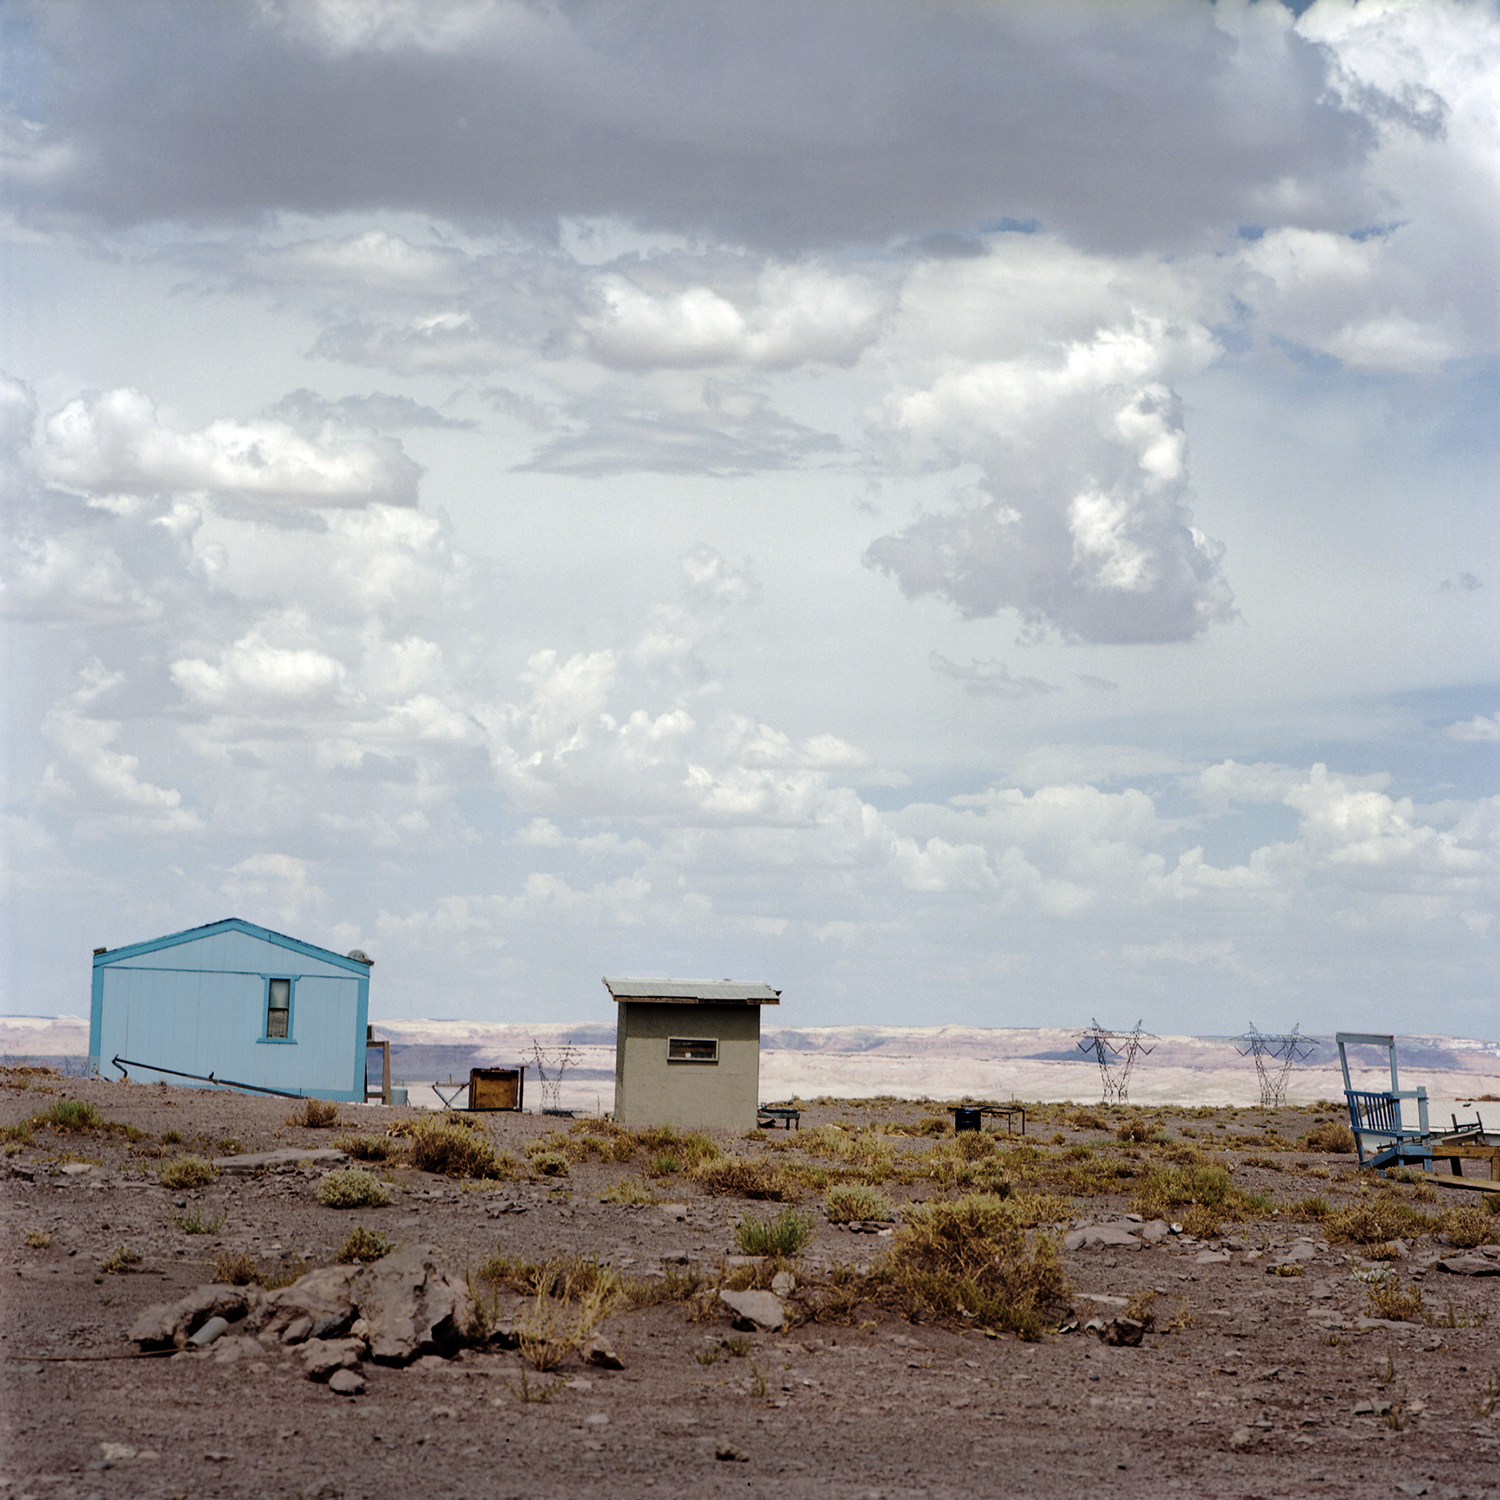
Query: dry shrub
pixel 972 1145
pixel 1134 1130
pixel 368 1147
pixel 1167 1188
pixel 548 1163
pixel 1201 1221
pixel 811 1175
pixel 1030 1209
pixel 188 1172
pixel 1140 1306
pixel 352 1187
pixel 735 1177
pixel 1183 1154
pixel 1468 1226
pixel 568 1297
pixel 969 1263
pixel 1316 1207
pixel 932 1125
pixel 315 1114
pixel 852 1203
pixel 1331 1136
pixel 678 1284
pixel 691 1149
pixel 120 1262
pixel 1088 1119
pixel 629 1190
pixel 235 1269
pixel 457 1151
pixel 1375 1221
pixel 361 1246
pixel 760 1274
pixel 1388 1299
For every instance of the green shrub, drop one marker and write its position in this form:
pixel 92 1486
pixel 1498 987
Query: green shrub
pixel 785 1235
pixel 71 1115
pixel 850 1203
pixel 361 1246
pixel 187 1172
pixel 353 1187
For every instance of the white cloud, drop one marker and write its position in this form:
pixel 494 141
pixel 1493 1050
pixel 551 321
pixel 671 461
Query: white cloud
pixel 794 315
pixel 274 887
pixel 253 670
pixel 1482 727
pixel 115 444
pixel 88 769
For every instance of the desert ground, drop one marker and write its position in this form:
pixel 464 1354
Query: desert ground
pixel 1301 1331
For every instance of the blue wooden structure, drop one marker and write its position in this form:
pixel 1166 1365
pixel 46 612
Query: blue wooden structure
pixel 1375 1115
pixel 232 1002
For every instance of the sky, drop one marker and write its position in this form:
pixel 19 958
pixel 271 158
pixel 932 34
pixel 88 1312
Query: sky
pixel 977 513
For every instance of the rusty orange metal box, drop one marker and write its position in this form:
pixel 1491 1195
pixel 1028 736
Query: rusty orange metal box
pixel 496 1088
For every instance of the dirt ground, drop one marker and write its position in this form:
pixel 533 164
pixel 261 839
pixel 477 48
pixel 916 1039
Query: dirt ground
pixel 1265 1385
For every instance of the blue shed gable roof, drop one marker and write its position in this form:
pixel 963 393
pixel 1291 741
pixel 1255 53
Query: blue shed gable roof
pixel 232 924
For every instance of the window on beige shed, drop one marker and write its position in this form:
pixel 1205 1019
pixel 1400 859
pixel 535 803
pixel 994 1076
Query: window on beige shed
pixel 692 1049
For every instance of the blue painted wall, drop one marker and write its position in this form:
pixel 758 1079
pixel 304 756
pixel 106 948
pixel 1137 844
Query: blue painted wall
pixel 196 1002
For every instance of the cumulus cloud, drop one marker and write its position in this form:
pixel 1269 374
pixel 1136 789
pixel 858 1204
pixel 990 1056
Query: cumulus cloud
pixel 795 315
pixel 115 444
pixel 1482 728
pixel 89 769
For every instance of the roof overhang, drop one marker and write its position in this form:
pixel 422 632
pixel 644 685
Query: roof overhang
pixel 691 992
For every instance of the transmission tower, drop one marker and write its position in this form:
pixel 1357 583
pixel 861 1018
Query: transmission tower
pixel 1274 1056
pixel 1116 1052
pixel 556 1060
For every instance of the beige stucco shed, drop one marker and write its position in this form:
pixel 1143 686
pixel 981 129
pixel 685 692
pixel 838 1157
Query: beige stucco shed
pixel 687 1051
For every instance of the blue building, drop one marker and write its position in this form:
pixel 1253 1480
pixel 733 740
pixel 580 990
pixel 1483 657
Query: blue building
pixel 236 1001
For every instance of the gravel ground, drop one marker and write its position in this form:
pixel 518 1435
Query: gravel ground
pixel 1269 1385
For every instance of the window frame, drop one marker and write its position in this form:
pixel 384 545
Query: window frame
pixel 692 1041
pixel 265 1037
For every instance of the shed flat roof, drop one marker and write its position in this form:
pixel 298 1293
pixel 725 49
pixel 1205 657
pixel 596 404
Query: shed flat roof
pixel 692 991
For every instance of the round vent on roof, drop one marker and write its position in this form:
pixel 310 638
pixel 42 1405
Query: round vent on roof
pixel 360 956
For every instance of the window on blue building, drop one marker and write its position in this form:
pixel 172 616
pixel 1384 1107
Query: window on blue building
pixel 278 1009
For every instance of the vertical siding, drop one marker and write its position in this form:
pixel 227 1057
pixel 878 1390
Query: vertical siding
pixel 213 1022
